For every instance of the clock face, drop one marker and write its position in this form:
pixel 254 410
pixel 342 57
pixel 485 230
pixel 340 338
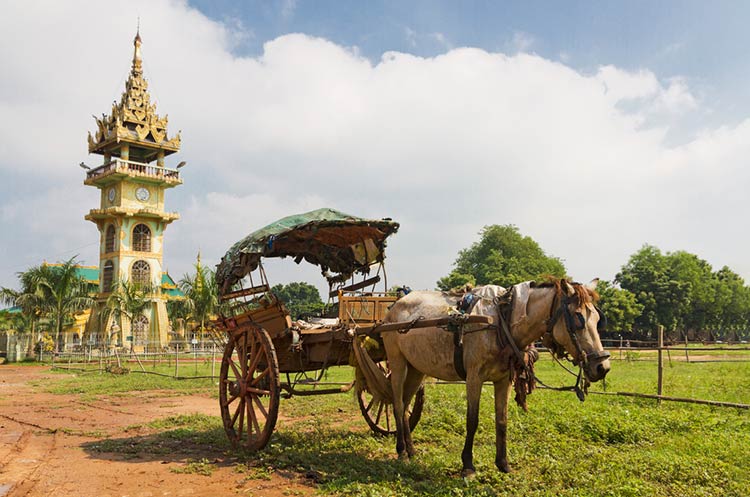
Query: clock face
pixel 111 194
pixel 142 194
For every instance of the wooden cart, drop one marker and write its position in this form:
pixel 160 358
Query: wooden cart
pixel 267 355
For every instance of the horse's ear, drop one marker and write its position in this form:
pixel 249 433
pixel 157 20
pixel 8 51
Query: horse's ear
pixel 591 285
pixel 567 288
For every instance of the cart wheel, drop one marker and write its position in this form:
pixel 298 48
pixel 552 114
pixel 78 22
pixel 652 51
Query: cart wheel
pixel 249 388
pixel 379 415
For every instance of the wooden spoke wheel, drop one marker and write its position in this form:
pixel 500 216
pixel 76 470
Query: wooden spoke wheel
pixel 379 415
pixel 249 388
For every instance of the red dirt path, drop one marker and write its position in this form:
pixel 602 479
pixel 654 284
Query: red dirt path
pixel 45 442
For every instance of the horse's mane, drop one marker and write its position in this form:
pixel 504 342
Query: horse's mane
pixel 583 294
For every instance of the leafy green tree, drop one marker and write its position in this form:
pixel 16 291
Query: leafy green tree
pixel 732 292
pixel 503 256
pixel 301 299
pixel 647 274
pixel 30 299
pixel 681 291
pixel 702 305
pixel 201 302
pixel 55 292
pixel 620 306
pixel 179 313
pixel 127 300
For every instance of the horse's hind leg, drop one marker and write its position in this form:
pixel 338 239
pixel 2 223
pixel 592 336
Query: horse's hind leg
pixel 502 391
pixel 473 393
pixel 411 384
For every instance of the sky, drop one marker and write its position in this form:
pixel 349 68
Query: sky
pixel 595 127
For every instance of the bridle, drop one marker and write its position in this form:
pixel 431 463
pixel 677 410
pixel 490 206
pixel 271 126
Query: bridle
pixel 575 322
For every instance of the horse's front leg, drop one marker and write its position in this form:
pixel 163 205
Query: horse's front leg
pixel 502 390
pixel 411 384
pixel 473 392
pixel 399 366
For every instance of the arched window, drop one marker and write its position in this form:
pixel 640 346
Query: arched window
pixel 140 330
pixel 109 239
pixel 108 274
pixel 140 273
pixel 142 238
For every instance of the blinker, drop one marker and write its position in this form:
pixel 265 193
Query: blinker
pixel 602 324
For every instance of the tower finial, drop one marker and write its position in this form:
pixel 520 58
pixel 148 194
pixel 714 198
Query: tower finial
pixel 137 61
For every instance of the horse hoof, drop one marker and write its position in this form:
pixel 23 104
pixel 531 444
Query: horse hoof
pixel 403 456
pixel 503 466
pixel 468 473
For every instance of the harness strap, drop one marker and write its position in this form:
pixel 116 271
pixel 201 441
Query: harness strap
pixel 458 353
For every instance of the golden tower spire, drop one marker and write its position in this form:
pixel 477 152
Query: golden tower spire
pixel 137 68
pixel 134 121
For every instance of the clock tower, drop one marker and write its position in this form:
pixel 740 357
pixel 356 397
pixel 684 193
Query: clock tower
pixel 131 219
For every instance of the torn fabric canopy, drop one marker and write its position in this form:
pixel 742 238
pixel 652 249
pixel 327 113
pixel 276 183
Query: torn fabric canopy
pixel 338 243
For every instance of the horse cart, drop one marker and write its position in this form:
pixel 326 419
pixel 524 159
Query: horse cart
pixel 268 355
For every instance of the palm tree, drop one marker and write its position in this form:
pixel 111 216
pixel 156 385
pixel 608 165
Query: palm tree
pixel 178 312
pixel 30 298
pixel 201 295
pixel 127 300
pixel 63 294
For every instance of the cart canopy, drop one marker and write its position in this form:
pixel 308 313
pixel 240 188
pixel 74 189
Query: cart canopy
pixel 338 243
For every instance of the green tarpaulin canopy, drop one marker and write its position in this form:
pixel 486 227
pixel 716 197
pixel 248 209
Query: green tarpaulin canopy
pixel 338 243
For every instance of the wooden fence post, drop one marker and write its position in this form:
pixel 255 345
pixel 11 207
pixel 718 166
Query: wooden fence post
pixel 213 361
pixel 661 364
pixel 687 356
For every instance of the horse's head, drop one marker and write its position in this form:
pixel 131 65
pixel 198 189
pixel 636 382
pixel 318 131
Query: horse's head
pixel 574 325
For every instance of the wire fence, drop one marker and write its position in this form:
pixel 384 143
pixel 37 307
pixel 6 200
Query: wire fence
pixel 190 362
pixel 203 361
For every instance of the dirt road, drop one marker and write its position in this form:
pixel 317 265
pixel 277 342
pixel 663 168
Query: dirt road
pixel 51 445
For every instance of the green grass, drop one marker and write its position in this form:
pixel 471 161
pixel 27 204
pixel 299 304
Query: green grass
pixel 606 446
pixel 93 383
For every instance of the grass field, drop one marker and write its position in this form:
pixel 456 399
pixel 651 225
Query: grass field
pixel 606 446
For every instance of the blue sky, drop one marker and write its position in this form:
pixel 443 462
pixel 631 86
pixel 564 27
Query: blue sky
pixel 595 127
pixel 704 42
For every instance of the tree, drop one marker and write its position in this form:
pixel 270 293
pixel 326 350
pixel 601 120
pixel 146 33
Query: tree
pixel 128 300
pixel 178 312
pixel 65 293
pixel 503 256
pixel 735 315
pixel 201 295
pixel 680 291
pixel 56 292
pixel 620 306
pixel 647 274
pixel 301 299
pixel 30 299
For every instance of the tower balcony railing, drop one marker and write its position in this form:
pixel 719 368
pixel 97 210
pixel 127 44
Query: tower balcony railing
pixel 132 168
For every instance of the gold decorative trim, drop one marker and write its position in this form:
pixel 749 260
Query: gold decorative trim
pixel 134 118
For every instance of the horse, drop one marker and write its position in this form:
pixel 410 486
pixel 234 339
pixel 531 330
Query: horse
pixel 562 312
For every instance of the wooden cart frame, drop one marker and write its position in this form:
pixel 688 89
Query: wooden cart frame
pixel 268 356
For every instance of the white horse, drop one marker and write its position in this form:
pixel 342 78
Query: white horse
pixel 563 311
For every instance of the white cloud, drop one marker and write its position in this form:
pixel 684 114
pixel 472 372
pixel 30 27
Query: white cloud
pixel 445 144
